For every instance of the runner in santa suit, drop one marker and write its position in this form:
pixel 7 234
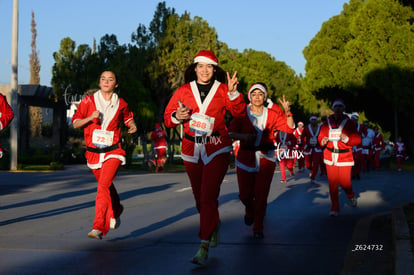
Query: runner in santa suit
pixel 312 150
pixel 256 160
pixel 200 105
pixel 358 149
pixel 160 146
pixel 6 115
pixel 285 153
pixel 338 134
pixel 101 114
pixel 400 153
pixel 378 146
pixel 299 146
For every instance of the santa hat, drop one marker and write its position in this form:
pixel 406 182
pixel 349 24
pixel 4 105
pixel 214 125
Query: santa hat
pixel 338 102
pixel 157 125
pixel 300 123
pixel 313 117
pixel 206 57
pixel 354 116
pixel 255 87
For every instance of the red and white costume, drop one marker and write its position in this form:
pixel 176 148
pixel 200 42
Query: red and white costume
pixel 299 146
pixel 101 135
pixel 6 115
pixel 400 153
pixel 378 146
pixel 312 150
pixel 206 145
pixel 358 150
pixel 286 152
pixel 160 145
pixel 338 155
pixel 256 161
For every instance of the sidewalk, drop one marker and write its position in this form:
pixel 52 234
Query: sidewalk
pixel 388 229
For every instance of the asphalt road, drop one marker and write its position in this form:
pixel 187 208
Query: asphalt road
pixel 45 217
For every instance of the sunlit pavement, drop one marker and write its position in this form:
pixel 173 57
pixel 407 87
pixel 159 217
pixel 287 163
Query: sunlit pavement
pixel 45 217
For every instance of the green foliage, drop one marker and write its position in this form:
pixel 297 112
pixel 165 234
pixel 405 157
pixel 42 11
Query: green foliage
pixel 366 56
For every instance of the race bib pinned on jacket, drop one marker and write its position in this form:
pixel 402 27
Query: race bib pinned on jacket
pixel 102 138
pixel 201 124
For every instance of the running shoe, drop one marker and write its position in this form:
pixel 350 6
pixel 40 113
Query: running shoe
pixel 333 214
pixel 353 202
pixel 95 234
pixel 215 237
pixel 201 256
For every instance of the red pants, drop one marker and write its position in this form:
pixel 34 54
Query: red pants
pixel 205 181
pixel 301 162
pixel 399 162
pixel 160 156
pixel 313 161
pixel 107 200
pixel 254 190
pixel 286 163
pixel 377 158
pixel 339 175
pixel 358 159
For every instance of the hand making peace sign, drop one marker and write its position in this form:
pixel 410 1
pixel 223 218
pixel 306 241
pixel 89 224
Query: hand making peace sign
pixel 232 82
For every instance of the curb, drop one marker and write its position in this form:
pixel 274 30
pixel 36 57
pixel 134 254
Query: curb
pixel 403 257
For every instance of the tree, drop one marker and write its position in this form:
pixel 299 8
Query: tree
pixel 366 55
pixel 35 113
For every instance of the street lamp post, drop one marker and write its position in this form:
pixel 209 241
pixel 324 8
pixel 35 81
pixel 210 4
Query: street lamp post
pixel 14 126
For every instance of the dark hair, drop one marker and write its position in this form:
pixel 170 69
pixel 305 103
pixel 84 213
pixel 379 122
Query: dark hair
pixel 190 74
pixel 116 90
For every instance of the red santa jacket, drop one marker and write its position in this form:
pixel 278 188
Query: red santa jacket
pixel 378 142
pixel 205 133
pixel 158 136
pixel 249 154
pixel 338 152
pixel 298 134
pixel 310 139
pixel 6 112
pixel 118 112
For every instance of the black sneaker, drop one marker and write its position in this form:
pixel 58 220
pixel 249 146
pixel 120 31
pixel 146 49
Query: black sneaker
pixel 258 235
pixel 248 220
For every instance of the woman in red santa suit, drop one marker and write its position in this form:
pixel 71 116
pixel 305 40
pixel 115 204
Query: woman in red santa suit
pixel 256 158
pixel 299 146
pixel 338 134
pixel 400 153
pixel 312 149
pixel 101 115
pixel 285 153
pixel 160 146
pixel 378 146
pixel 6 115
pixel 200 105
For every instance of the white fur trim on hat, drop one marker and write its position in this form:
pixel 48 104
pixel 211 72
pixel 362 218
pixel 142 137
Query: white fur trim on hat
pixel 313 117
pixel 205 60
pixel 257 86
pixel 206 57
pixel 338 102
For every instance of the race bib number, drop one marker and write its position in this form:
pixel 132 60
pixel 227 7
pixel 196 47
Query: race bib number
pixel 102 138
pixel 335 134
pixel 313 141
pixel 201 124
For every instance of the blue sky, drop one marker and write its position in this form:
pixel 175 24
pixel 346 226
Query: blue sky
pixel 281 28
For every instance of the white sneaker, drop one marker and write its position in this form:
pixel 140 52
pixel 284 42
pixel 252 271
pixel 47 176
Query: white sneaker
pixel 95 234
pixel 333 214
pixel 115 223
pixel 353 202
